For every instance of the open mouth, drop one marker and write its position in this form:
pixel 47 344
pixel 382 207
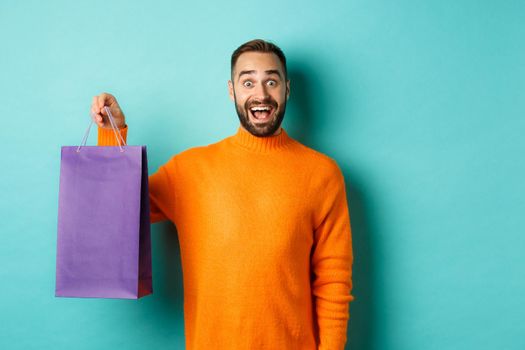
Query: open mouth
pixel 262 113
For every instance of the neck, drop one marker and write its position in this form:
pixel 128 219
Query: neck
pixel 259 144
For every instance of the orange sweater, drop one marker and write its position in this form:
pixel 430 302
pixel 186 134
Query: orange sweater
pixel 265 241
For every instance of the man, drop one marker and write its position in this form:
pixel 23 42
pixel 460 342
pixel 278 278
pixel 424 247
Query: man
pixel 263 222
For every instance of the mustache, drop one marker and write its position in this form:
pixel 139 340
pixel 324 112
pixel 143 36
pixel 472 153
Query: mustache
pixel 266 101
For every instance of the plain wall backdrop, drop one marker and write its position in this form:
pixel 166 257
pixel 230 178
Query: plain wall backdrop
pixel 421 103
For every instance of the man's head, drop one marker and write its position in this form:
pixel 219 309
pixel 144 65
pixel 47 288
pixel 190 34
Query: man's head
pixel 259 86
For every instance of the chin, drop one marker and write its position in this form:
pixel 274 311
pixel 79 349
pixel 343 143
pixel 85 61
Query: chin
pixel 266 129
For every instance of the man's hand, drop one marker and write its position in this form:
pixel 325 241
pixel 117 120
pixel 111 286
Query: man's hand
pixel 98 114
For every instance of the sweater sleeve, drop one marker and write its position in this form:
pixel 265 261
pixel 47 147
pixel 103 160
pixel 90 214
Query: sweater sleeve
pixel 161 193
pixel 331 260
pixel 106 137
pixel 160 183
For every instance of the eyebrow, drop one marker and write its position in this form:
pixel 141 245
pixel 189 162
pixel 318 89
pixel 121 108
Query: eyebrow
pixel 269 71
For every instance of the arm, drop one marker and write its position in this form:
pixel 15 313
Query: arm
pixel 160 183
pixel 332 260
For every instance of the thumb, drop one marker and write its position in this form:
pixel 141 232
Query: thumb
pixel 105 99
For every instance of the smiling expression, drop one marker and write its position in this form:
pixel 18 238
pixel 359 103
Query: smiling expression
pixel 260 91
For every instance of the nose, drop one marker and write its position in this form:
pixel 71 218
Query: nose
pixel 261 91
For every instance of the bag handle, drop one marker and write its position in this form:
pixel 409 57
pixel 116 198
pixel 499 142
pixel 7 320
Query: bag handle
pixel 113 127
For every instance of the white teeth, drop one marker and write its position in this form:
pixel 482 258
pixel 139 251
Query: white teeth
pixel 260 108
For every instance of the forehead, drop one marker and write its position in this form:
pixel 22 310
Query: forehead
pixel 257 61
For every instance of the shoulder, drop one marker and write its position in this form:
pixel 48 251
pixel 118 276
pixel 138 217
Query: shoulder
pixel 321 164
pixel 325 172
pixel 196 154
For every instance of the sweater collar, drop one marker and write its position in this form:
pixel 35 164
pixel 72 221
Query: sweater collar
pixel 261 144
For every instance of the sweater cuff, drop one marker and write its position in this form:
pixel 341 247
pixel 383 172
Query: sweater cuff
pixel 106 137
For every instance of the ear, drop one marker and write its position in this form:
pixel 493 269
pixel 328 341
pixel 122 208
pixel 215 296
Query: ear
pixel 287 89
pixel 230 90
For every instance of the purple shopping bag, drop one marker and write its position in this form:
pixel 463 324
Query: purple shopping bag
pixel 103 238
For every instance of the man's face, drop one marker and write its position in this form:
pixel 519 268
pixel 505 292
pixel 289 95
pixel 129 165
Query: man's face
pixel 260 91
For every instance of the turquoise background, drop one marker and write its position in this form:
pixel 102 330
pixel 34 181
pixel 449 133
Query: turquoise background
pixel 420 102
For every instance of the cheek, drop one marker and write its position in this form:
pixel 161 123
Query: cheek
pixel 241 102
pixel 241 98
pixel 280 97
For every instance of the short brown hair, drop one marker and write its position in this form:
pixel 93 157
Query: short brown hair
pixel 259 45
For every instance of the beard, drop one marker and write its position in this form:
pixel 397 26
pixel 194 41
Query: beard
pixel 260 129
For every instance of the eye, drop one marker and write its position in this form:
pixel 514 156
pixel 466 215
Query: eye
pixel 272 83
pixel 247 83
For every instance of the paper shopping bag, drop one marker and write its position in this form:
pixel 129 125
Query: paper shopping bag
pixel 103 237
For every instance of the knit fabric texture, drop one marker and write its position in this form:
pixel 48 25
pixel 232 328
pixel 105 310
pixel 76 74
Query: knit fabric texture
pixel 265 242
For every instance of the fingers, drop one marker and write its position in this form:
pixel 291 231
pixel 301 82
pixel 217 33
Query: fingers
pixel 97 107
pixel 98 112
pixel 102 100
pixel 97 118
pixel 105 99
pixel 95 112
